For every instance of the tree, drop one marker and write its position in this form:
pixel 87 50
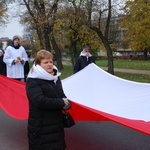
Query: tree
pixel 137 23
pixel 99 19
pixel 31 36
pixel 40 15
pixel 3 12
pixel 103 13
pixel 71 29
pixel 26 44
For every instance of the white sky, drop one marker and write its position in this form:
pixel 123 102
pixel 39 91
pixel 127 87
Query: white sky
pixel 13 27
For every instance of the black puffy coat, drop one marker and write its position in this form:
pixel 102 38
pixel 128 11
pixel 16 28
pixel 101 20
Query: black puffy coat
pixel 45 127
pixel 2 66
pixel 83 61
pixel 26 70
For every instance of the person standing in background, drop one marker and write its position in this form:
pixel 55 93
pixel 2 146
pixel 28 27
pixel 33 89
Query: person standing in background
pixel 26 70
pixel 46 102
pixel 84 59
pixel 2 64
pixel 15 57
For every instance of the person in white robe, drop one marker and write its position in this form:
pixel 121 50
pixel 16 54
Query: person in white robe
pixel 15 57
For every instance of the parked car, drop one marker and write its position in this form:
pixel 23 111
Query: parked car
pixel 118 54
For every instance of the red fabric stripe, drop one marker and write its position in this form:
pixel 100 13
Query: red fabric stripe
pixel 14 102
pixel 13 98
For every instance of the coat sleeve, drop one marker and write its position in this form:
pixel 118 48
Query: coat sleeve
pixel 24 55
pixel 93 59
pixel 63 94
pixel 77 65
pixel 37 98
pixel 7 57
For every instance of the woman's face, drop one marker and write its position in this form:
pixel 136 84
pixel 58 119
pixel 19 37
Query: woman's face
pixel 47 64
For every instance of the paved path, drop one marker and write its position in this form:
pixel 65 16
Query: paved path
pixel 129 71
pixel 83 136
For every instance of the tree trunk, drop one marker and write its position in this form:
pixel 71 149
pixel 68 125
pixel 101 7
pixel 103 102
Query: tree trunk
pixel 145 54
pixel 47 31
pixel 40 38
pixel 73 51
pixel 58 53
pixel 108 49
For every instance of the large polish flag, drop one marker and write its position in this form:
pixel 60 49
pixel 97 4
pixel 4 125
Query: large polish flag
pixel 96 96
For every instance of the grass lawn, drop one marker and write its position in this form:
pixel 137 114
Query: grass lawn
pixel 125 64
pixel 134 77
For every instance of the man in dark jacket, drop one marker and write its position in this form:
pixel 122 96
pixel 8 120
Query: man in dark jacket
pixel 84 59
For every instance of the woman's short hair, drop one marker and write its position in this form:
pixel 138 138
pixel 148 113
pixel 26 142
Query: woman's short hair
pixel 42 54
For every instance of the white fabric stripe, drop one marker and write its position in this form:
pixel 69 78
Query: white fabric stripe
pixel 97 89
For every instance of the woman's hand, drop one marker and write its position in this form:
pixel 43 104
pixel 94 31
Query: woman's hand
pixel 67 103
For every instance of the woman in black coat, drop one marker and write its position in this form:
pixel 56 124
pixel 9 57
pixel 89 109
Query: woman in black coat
pixel 46 101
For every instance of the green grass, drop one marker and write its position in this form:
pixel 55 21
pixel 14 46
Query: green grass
pixel 67 71
pixel 127 64
pixel 134 77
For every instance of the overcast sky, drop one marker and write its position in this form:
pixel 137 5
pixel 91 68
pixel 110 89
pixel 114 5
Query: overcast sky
pixel 13 27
